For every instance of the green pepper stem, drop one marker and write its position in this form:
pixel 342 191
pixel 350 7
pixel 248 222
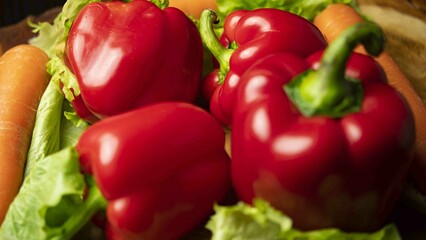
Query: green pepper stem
pixel 92 204
pixel 328 91
pixel 162 4
pixel 223 55
pixel 333 63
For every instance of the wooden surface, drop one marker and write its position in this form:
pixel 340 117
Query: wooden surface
pixel 20 32
pixel 404 23
pixel 415 8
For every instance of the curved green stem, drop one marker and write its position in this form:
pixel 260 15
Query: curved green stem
pixel 333 63
pixel 92 204
pixel 327 91
pixel 207 19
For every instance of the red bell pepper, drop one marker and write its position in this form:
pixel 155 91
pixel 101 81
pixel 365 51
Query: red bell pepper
pixel 127 55
pixel 329 147
pixel 253 34
pixel 161 168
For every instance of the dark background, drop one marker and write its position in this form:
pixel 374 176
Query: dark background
pixel 13 11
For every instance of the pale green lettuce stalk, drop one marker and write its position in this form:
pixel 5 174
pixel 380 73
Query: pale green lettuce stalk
pixel 305 8
pixel 53 130
pixel 263 222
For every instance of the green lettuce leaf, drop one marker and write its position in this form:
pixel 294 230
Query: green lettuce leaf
pixel 57 126
pixel 305 8
pixel 51 38
pixel 61 74
pixel 47 197
pixel 50 202
pixel 261 221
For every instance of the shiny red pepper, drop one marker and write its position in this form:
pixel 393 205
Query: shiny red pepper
pixel 329 147
pixel 127 55
pixel 253 34
pixel 161 168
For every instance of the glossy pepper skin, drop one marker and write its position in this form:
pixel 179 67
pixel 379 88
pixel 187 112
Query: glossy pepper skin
pixel 127 55
pixel 253 35
pixel 161 168
pixel 329 168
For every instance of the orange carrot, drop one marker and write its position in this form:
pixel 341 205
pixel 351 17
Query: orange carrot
pixel 336 18
pixel 193 8
pixel 23 79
